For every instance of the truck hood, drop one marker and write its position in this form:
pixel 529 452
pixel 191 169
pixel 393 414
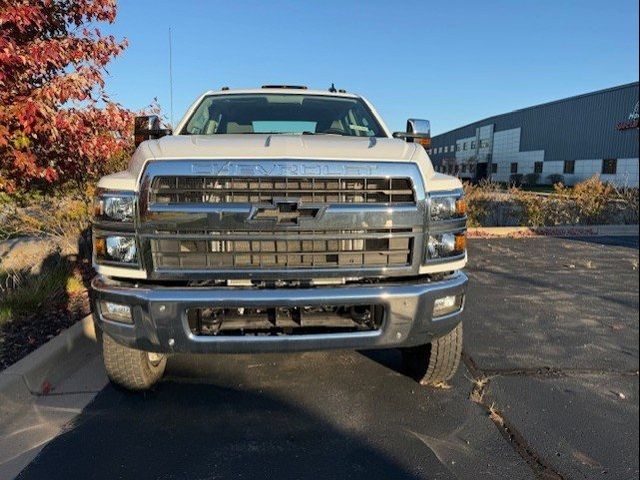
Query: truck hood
pixel 280 146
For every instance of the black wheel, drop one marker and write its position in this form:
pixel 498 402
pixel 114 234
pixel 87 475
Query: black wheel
pixel 435 363
pixel 129 368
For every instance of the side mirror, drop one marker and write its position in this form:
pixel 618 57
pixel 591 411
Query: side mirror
pixel 147 127
pixel 418 131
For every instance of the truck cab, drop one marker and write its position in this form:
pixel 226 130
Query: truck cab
pixel 278 219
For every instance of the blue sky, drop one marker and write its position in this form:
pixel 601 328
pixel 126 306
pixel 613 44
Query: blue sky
pixel 451 62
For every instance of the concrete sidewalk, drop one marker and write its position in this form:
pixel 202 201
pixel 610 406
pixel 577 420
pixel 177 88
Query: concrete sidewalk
pixel 44 392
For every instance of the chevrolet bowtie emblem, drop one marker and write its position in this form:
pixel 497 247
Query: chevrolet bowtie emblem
pixel 284 211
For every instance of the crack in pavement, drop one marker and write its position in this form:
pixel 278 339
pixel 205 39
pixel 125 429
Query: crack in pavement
pixel 553 372
pixel 510 433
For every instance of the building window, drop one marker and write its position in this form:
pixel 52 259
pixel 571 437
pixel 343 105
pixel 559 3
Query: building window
pixel 537 167
pixel 484 143
pixel 453 148
pixel 464 146
pixel 514 167
pixel 494 168
pixel 569 167
pixel 446 149
pixel 609 166
pixel 463 168
pixel 473 145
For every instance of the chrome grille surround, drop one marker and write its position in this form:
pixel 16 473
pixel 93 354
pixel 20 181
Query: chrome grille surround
pixel 209 239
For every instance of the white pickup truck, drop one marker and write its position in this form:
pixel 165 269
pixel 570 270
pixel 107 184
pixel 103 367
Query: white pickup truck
pixel 278 219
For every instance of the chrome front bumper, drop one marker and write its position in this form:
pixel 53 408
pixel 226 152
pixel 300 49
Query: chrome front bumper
pixel 160 319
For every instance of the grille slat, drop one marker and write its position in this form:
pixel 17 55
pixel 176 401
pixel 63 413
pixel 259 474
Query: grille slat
pixel 318 190
pixel 324 250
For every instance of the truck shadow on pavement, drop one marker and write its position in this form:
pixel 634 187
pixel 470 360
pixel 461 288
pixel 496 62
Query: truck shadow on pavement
pixel 198 431
pixel 320 415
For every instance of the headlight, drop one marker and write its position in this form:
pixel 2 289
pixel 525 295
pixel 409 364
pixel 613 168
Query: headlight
pixel 446 207
pixel 117 208
pixel 445 245
pixel 116 249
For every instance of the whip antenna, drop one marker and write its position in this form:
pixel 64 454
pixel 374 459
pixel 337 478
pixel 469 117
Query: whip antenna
pixel 170 79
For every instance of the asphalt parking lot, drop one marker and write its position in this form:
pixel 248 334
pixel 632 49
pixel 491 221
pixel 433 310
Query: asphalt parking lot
pixel 549 389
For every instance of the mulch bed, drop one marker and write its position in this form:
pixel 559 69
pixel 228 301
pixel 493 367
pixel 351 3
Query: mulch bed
pixel 21 336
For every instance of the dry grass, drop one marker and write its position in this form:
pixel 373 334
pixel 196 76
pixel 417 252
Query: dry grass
pixel 478 391
pixel 590 202
pixel 59 218
pixel 495 415
pixel 23 293
pixel 33 274
pixel 442 386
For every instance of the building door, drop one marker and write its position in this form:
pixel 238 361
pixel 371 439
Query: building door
pixel 482 171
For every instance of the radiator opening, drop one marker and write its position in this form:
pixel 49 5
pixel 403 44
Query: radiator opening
pixel 272 321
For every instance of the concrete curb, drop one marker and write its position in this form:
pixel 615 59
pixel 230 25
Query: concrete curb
pixel 40 371
pixel 569 231
pixel 41 395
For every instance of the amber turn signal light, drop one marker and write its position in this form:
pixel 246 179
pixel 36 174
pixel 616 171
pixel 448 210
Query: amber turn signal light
pixel 425 142
pixel 461 242
pixel 100 246
pixel 461 207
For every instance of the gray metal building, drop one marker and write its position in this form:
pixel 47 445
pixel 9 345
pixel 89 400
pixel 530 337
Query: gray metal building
pixel 577 137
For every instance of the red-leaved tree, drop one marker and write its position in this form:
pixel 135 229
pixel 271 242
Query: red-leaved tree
pixel 57 124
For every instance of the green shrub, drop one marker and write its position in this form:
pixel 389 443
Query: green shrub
pixel 555 178
pixel 516 180
pixel 532 179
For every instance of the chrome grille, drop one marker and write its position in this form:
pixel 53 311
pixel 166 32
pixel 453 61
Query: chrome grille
pixel 291 250
pixel 280 219
pixel 314 190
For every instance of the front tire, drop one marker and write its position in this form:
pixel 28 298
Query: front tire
pixel 132 369
pixel 435 363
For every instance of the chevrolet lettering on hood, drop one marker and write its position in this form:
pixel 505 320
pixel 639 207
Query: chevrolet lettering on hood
pixel 268 169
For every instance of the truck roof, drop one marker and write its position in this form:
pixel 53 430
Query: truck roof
pixel 284 89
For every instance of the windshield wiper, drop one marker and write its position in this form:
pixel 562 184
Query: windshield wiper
pixel 267 133
pixel 323 133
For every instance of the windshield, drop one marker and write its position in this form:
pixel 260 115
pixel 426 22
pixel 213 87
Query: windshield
pixel 282 113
